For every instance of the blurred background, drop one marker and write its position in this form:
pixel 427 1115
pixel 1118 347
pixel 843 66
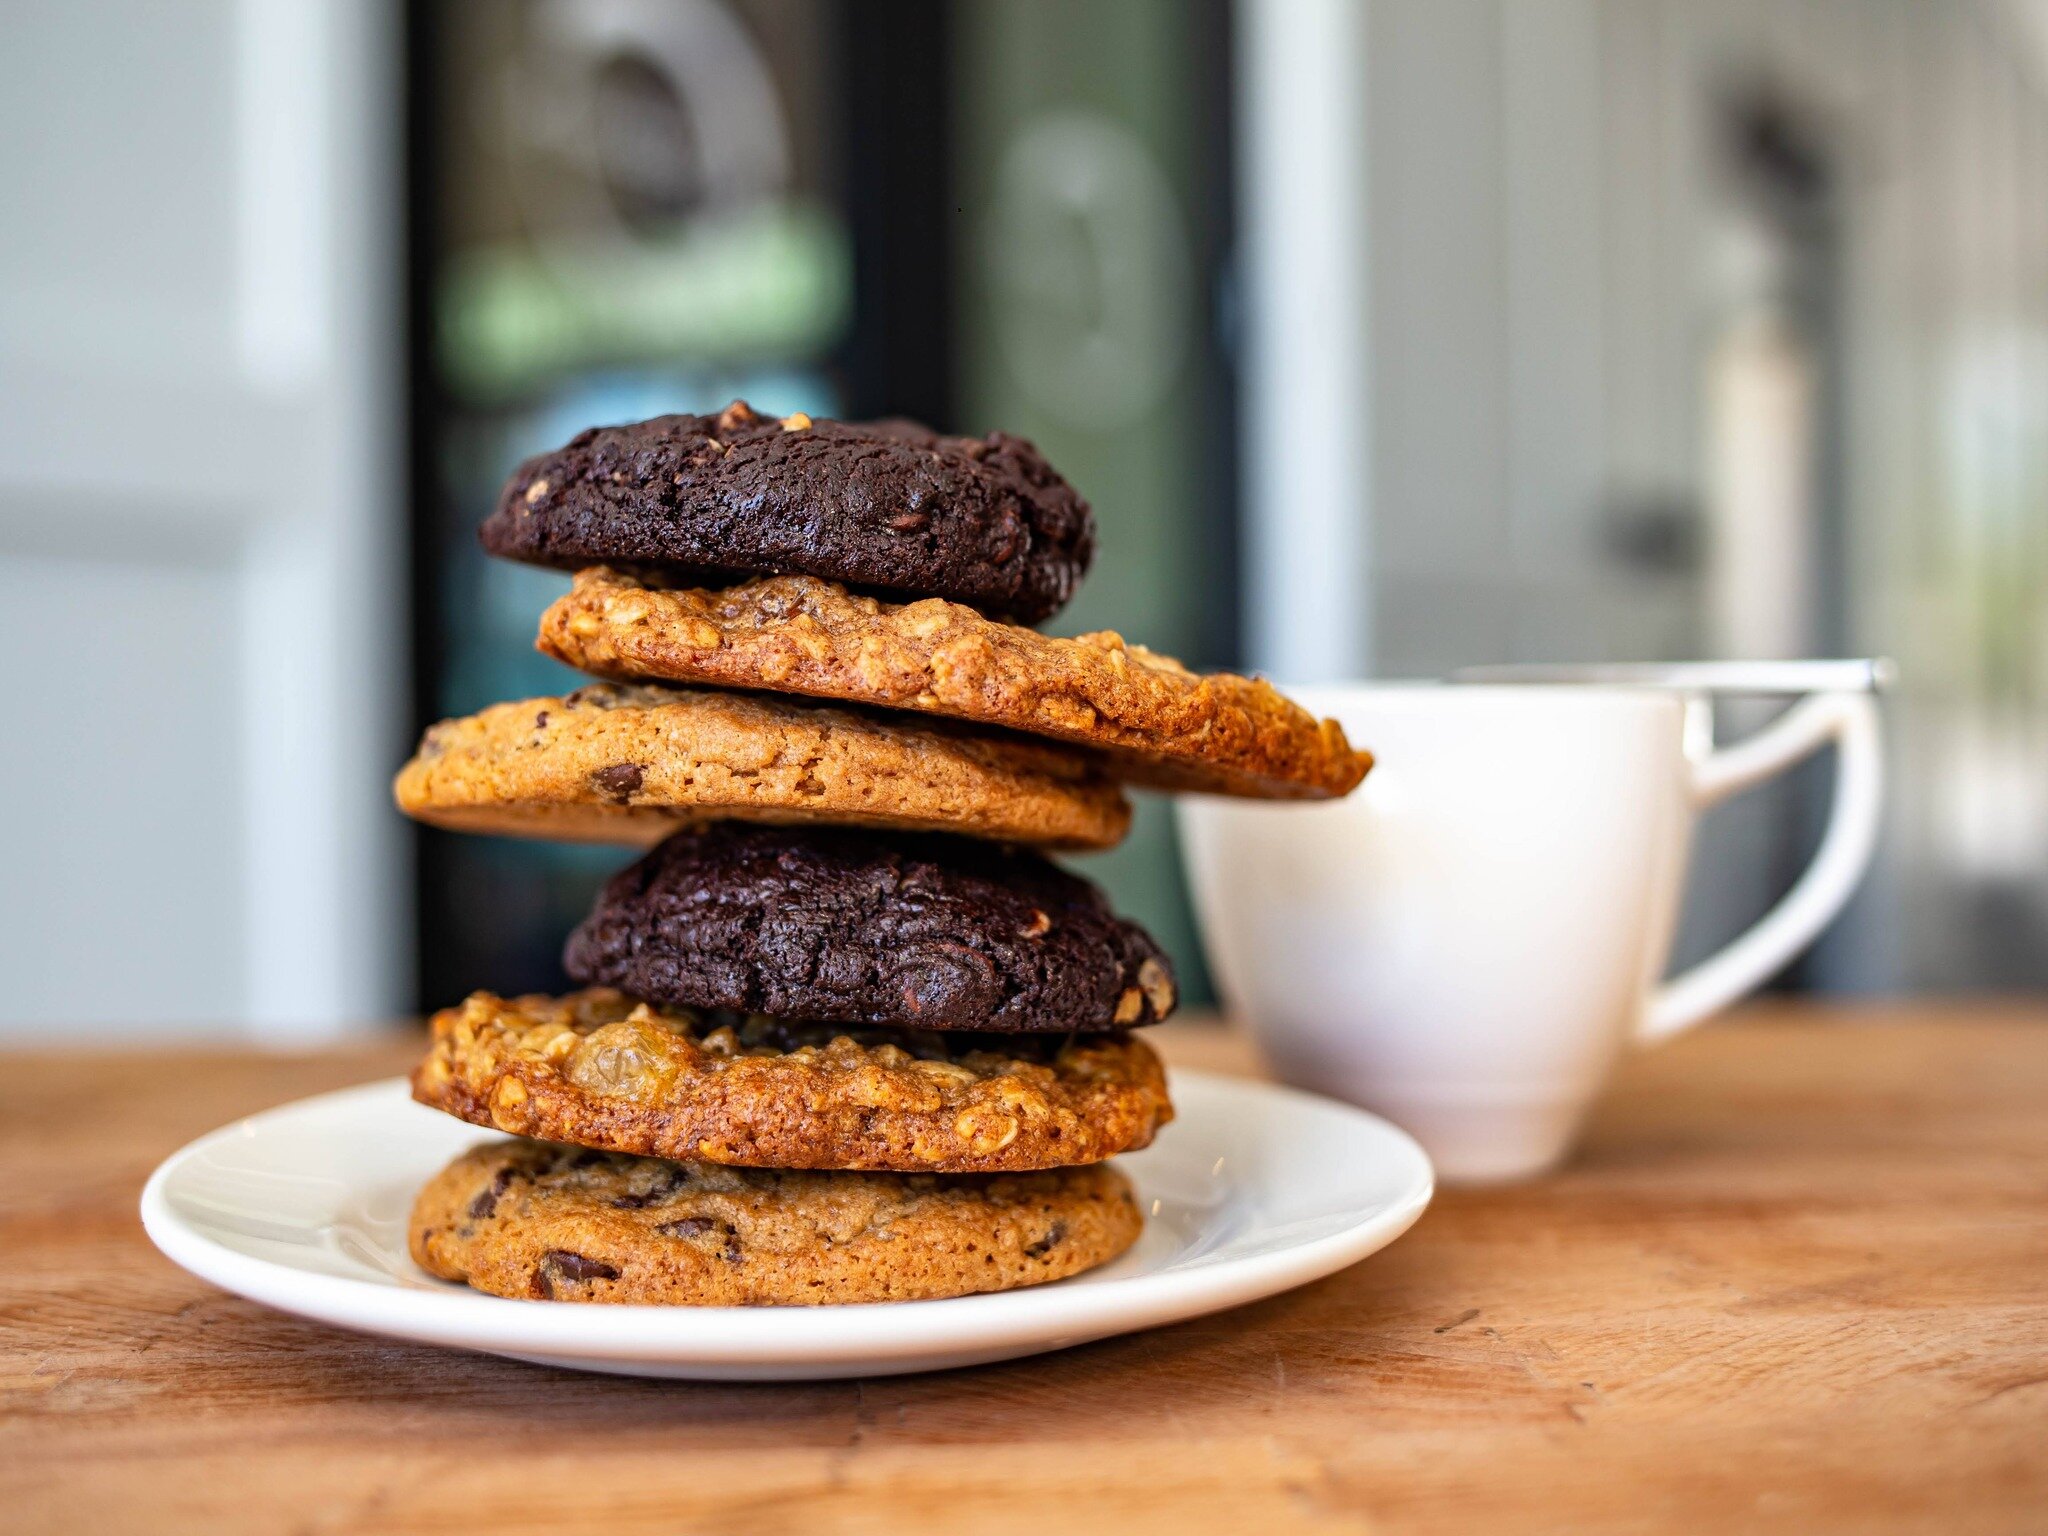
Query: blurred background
pixel 1386 336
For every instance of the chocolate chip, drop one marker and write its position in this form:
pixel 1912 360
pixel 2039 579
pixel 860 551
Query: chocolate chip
pixel 540 721
pixel 619 780
pixel 1047 1243
pixel 702 1226
pixel 944 981
pixel 559 1264
pixel 667 1182
pixel 486 1200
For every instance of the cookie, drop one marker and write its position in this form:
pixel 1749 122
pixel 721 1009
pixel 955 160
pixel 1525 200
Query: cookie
pixel 533 1219
pixel 860 928
pixel 1160 724
pixel 630 765
pixel 886 505
pixel 601 1070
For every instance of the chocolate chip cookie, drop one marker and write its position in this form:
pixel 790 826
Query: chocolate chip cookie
pixel 532 1219
pixel 1158 723
pixel 852 927
pixel 632 764
pixel 885 505
pixel 600 1069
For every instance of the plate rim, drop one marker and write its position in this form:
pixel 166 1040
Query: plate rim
pixel 1048 1316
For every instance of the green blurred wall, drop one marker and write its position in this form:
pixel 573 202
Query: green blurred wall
pixel 1091 183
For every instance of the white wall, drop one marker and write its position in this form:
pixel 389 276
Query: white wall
pixel 1532 225
pixel 200 519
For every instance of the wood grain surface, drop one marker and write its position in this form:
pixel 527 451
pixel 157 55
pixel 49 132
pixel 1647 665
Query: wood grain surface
pixel 1797 1280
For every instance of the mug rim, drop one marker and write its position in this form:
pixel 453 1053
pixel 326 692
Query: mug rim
pixel 1434 693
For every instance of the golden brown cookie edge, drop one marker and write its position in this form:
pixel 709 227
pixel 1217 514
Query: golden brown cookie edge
pixel 1030 1229
pixel 1153 721
pixel 775 1112
pixel 495 772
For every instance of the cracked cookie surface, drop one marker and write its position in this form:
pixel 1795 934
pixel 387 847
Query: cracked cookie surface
pixel 603 1070
pixel 624 764
pixel 1157 723
pixel 535 1219
pixel 860 928
pixel 888 505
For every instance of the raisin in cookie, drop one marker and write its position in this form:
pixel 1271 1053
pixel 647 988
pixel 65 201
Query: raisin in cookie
pixel 1158 723
pixel 603 1070
pixel 866 928
pixel 886 505
pixel 632 764
pixel 533 1219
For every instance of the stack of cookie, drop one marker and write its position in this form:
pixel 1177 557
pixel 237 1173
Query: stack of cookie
pixel 846 1033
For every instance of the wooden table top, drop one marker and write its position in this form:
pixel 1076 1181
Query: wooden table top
pixel 1797 1280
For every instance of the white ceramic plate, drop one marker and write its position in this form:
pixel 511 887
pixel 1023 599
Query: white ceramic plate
pixel 1254 1189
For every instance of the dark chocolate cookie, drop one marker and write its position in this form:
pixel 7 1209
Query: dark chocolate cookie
pixel 846 927
pixel 887 505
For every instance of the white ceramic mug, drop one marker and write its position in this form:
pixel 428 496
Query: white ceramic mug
pixel 1467 943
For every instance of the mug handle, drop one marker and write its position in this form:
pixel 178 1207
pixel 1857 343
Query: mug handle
pixel 1850 721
